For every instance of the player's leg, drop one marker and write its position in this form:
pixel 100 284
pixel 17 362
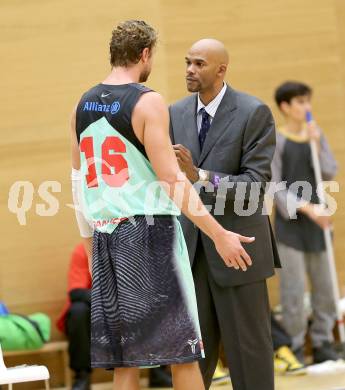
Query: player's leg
pixel 187 376
pixel 126 378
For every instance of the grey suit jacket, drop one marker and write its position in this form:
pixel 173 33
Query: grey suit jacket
pixel 238 150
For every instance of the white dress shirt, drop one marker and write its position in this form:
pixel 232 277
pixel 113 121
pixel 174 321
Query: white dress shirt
pixel 211 108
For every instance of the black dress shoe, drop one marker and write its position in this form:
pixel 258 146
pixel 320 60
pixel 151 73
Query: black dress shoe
pixel 324 353
pixel 160 377
pixel 82 381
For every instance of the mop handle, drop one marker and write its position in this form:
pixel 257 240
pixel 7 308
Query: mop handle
pixel 316 164
pixel 327 234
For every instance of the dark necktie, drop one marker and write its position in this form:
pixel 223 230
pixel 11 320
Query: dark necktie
pixel 205 126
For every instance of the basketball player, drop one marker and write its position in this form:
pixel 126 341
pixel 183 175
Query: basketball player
pixel 143 306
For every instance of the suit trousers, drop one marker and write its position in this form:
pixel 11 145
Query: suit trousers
pixel 239 317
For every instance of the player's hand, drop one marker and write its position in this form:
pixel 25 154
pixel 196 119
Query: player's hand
pixel 185 161
pixel 229 247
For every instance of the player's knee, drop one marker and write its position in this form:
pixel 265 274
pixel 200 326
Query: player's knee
pixel 185 366
pixel 126 371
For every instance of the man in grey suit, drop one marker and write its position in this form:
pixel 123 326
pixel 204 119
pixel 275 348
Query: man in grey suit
pixel 224 141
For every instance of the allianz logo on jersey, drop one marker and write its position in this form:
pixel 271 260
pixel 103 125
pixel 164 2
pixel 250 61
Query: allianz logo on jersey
pixel 95 106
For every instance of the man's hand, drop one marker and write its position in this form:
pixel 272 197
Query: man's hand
pixel 229 247
pixel 316 212
pixel 185 161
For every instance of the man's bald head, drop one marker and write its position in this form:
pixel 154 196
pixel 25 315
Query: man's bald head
pixel 211 48
pixel 207 61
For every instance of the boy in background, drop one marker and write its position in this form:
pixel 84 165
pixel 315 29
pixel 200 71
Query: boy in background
pixel 300 233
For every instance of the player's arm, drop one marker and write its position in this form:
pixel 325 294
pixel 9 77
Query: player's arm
pixel 85 229
pixel 152 110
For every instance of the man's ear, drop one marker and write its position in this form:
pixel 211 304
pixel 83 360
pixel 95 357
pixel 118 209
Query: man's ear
pixel 222 69
pixel 145 55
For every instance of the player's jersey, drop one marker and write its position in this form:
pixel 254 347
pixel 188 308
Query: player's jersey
pixel 117 178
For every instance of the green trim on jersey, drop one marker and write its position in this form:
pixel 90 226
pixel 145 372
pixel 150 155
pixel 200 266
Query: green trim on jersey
pixel 139 192
pixel 183 271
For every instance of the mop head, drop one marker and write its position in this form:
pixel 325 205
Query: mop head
pixel 326 368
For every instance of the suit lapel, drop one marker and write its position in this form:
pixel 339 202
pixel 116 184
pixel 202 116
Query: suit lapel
pixel 190 131
pixel 220 123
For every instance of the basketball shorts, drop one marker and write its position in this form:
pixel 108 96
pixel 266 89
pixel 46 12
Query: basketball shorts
pixel 143 304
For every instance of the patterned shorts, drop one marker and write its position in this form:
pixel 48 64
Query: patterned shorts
pixel 143 305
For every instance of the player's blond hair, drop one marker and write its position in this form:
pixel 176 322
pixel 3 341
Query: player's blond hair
pixel 128 40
